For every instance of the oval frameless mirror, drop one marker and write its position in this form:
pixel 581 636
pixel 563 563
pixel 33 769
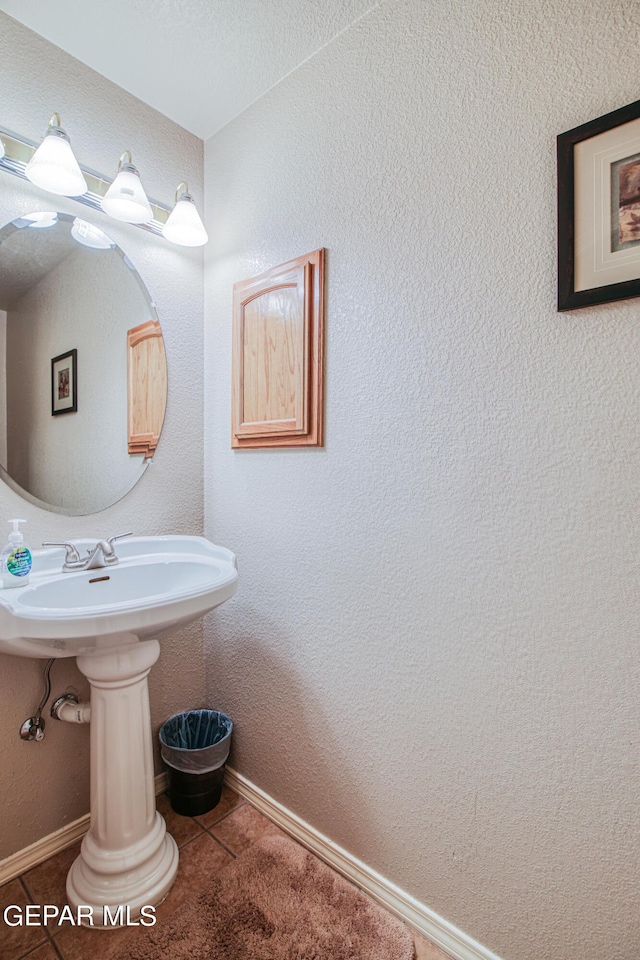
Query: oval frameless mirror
pixel 83 377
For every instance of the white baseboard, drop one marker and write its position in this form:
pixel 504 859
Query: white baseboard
pixel 420 918
pixel 41 850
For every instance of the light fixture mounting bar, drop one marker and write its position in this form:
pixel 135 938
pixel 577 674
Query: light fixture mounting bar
pixel 18 152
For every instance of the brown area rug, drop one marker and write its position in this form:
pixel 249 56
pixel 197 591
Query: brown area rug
pixel 277 902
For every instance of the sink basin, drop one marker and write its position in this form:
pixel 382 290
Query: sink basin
pixel 159 583
pixel 110 619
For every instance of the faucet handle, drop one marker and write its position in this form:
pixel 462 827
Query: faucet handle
pixel 120 536
pixel 72 554
pixel 109 551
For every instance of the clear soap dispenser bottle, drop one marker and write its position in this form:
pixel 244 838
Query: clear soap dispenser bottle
pixel 15 559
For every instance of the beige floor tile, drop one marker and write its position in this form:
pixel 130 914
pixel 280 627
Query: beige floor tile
pixel 199 859
pixel 47 882
pixel 182 829
pixel 15 941
pixel 228 802
pixel 242 828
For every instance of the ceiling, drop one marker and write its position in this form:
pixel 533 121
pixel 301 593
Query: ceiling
pixel 28 256
pixel 199 62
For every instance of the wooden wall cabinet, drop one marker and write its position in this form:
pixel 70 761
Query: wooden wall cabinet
pixel 278 356
pixel 146 387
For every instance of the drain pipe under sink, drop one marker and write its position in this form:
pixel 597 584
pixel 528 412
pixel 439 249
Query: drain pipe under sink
pixel 68 708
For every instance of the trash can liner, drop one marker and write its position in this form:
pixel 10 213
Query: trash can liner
pixel 196 741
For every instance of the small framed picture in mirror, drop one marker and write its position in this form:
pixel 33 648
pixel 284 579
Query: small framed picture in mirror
pixel 64 383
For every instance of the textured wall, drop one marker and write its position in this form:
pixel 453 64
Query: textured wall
pixel 45 785
pixel 433 655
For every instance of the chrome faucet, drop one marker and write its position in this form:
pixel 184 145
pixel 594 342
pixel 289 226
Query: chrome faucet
pixel 101 554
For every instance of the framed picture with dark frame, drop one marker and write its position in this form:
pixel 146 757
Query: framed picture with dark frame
pixel 64 383
pixel 599 210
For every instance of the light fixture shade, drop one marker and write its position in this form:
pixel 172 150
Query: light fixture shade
pixel 90 236
pixel 184 225
pixel 125 199
pixel 42 220
pixel 53 166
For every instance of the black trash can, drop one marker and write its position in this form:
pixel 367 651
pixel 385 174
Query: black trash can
pixel 195 746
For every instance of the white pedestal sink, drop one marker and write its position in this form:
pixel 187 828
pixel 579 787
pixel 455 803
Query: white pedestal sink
pixel 110 618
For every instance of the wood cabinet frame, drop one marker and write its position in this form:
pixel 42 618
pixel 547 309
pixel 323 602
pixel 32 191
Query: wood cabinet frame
pixel 146 389
pixel 278 383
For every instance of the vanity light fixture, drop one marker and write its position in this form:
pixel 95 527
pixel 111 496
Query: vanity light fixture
pixel 184 225
pixel 125 199
pixel 90 236
pixel 53 166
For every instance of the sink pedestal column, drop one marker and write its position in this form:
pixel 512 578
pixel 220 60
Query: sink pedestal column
pixel 127 857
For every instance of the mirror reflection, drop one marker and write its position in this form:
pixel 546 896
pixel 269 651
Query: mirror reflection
pixel 82 365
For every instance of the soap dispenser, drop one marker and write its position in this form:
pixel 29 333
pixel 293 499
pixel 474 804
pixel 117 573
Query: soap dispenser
pixel 15 559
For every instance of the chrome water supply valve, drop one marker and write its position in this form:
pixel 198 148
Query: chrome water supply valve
pixel 33 728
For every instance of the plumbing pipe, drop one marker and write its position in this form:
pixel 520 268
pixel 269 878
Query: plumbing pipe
pixel 68 709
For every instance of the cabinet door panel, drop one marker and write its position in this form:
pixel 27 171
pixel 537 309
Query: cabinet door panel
pixel 277 356
pixel 274 395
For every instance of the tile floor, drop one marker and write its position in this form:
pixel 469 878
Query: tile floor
pixel 206 844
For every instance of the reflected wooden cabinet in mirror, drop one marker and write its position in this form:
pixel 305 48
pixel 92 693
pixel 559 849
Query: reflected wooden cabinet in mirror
pixel 147 386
